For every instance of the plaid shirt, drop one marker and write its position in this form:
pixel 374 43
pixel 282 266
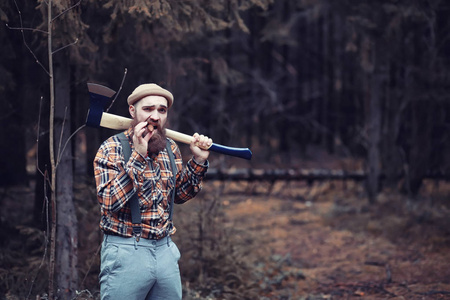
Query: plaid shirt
pixel 152 178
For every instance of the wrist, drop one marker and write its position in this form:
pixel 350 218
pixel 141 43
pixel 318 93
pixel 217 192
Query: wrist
pixel 199 160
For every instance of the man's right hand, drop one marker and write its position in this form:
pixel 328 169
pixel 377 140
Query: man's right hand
pixel 141 137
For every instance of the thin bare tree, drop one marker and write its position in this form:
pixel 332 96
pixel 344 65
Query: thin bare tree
pixel 63 229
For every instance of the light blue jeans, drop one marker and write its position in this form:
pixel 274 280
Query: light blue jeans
pixel 147 269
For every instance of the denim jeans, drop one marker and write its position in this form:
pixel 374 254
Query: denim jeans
pixel 132 270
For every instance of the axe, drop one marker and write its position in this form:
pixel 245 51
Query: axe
pixel 101 98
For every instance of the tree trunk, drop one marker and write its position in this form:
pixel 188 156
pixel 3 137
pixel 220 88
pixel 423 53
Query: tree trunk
pixel 374 134
pixel 67 231
pixel 78 118
pixel 372 94
pixel 284 95
pixel 394 106
pixel 419 156
pixel 325 78
pixel 337 80
pixel 301 135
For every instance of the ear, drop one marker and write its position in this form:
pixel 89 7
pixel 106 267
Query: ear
pixel 132 111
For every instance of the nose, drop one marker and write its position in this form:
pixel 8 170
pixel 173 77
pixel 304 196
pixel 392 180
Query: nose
pixel 154 117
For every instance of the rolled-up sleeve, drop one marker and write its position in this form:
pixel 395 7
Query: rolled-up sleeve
pixel 190 183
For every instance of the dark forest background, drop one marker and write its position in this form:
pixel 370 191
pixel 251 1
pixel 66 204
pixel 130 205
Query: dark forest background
pixel 355 78
pixel 363 80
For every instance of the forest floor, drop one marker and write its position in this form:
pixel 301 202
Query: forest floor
pixel 325 241
pixel 287 240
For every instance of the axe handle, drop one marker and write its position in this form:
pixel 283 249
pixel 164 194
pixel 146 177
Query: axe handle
pixel 116 122
pixel 121 123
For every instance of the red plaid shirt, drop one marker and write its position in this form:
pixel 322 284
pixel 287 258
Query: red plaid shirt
pixel 118 180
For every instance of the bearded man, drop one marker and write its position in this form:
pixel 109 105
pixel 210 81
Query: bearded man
pixel 145 265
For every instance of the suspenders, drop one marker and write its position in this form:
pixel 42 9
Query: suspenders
pixel 134 201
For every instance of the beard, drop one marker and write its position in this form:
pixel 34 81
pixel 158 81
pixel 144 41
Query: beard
pixel 157 142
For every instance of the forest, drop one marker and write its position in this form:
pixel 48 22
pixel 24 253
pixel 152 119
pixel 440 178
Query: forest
pixel 344 104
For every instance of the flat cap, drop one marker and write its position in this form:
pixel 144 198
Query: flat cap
pixel 149 89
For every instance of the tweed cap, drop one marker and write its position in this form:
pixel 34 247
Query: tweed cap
pixel 149 89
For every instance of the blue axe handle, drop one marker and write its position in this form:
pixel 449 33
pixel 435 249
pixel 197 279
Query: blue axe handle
pixel 244 153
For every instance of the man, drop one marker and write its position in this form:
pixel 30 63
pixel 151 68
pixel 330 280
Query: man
pixel 145 266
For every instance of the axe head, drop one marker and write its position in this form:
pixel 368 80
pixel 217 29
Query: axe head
pixel 100 98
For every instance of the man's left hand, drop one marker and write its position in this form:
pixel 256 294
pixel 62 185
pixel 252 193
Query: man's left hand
pixel 198 145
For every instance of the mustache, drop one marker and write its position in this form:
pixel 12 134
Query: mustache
pixel 150 121
pixel 155 124
pixel 152 126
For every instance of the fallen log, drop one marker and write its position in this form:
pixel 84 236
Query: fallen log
pixel 309 175
pixel 283 174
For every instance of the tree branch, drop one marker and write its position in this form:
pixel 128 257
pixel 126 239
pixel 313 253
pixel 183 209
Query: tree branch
pixel 26 28
pixel 25 42
pixel 64 47
pixel 66 10
pixel 37 139
pixel 70 137
pixel 59 155
pixel 120 88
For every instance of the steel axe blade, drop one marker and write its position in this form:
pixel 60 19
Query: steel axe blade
pixel 101 98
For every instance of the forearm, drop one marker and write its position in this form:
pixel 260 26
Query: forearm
pixel 190 181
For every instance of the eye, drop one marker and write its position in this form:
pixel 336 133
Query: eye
pixel 162 110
